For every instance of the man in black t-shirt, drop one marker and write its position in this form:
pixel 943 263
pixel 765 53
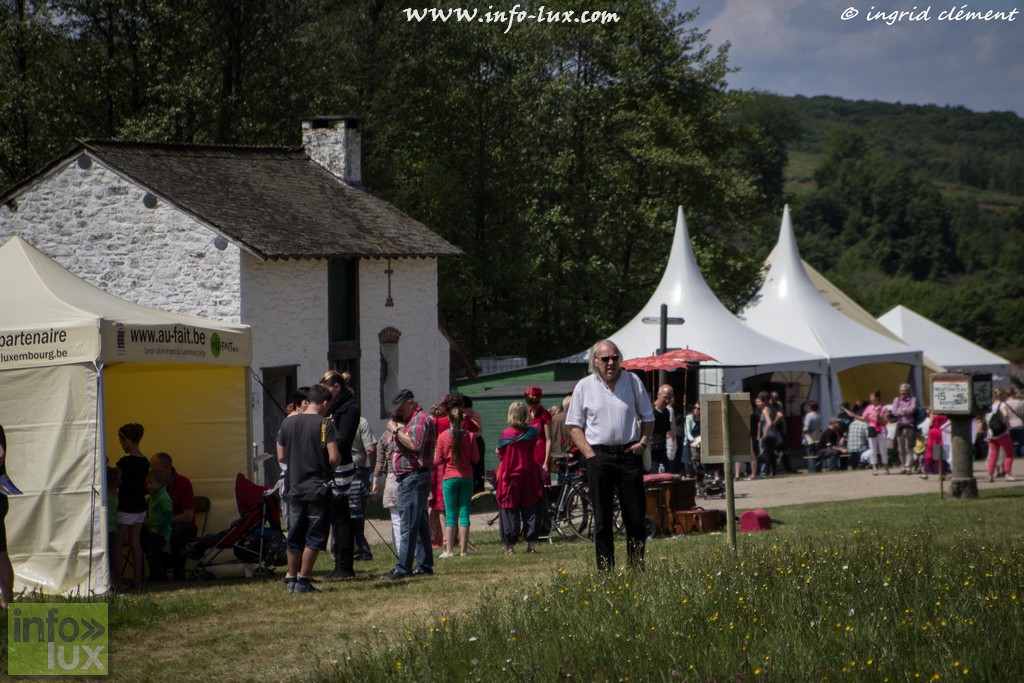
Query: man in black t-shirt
pixel 308 445
pixel 663 429
pixel 829 449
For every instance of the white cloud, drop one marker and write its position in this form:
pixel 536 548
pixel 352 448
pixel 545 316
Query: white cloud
pixel 805 47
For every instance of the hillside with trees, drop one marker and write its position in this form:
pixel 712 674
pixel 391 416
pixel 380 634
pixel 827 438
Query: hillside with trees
pixel 553 155
pixel 915 205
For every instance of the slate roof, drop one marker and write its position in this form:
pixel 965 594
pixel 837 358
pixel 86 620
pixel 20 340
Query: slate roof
pixel 274 202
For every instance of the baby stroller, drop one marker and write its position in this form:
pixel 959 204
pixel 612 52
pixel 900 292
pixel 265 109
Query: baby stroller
pixel 707 487
pixel 255 537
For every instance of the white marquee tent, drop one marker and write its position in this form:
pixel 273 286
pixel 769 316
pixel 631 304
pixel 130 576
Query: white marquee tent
pixel 709 326
pixel 788 307
pixel 944 346
pixel 75 364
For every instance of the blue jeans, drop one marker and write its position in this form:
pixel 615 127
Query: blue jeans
pixel 413 492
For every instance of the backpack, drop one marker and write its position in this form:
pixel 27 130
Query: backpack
pixel 920 414
pixel 996 422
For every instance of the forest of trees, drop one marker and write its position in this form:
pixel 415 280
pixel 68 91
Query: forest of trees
pixel 881 222
pixel 553 155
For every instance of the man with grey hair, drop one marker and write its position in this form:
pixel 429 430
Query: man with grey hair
pixel 605 416
pixel 903 408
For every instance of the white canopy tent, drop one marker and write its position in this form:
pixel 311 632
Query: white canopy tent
pixel 788 307
pixel 944 346
pixel 75 364
pixel 709 327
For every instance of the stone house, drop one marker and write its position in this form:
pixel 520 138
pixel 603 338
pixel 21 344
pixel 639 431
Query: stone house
pixel 285 240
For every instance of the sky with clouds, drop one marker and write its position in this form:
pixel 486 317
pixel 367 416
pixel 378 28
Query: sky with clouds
pixel 858 49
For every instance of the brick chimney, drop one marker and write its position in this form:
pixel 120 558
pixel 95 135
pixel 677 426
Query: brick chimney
pixel 335 142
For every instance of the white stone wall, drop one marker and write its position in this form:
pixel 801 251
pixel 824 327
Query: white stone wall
pixel 94 223
pixel 285 303
pixel 423 350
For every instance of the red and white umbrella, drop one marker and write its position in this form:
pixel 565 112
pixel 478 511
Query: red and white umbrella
pixel 668 361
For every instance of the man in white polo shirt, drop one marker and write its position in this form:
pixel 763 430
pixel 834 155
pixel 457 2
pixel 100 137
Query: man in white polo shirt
pixel 606 406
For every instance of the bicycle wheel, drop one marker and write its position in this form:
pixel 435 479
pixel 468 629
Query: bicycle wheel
pixel 617 523
pixel 485 502
pixel 557 513
pixel 578 512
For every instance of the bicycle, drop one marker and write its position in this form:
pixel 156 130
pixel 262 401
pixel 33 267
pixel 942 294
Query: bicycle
pixel 568 504
pixel 569 514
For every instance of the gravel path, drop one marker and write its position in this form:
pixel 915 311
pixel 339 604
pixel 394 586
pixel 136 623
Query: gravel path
pixel 821 487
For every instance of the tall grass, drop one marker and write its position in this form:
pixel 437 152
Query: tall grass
pixel 899 589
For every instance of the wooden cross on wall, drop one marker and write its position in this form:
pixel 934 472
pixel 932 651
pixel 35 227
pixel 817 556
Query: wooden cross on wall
pixel 389 303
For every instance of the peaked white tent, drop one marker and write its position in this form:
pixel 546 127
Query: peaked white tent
pixel 945 346
pixel 709 327
pixel 75 364
pixel 788 307
pixel 839 300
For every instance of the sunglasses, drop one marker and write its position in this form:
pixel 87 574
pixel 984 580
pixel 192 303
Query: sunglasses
pixel 608 359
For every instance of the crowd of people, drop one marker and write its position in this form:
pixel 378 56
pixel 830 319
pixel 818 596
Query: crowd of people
pixel 899 435
pixel 427 464
pixel 150 506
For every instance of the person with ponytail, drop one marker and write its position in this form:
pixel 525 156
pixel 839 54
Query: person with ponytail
pixel 454 457
pixel 131 504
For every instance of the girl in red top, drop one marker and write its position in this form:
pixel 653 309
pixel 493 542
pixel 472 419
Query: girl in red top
pixel 454 457
pixel 540 419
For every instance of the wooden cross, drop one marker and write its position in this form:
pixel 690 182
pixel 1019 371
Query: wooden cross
pixel 390 302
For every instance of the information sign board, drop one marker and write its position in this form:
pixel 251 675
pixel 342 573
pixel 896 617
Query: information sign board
pixel 711 427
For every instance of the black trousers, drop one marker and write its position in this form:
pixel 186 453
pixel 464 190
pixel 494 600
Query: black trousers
pixel 524 520
pixel 342 542
pixel 181 534
pixel 621 473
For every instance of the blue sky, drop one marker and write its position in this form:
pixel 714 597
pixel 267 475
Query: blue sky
pixel 805 47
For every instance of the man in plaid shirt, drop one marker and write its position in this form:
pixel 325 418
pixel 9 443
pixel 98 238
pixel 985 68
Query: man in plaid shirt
pixel 857 437
pixel 413 456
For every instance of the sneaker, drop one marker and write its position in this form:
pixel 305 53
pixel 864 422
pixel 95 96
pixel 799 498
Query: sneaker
pixel 289 584
pixel 365 557
pixel 466 554
pixel 305 587
pixel 394 575
pixel 423 571
pixel 446 554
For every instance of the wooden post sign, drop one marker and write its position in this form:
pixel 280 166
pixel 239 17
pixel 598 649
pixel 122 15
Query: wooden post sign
pixel 712 421
pixel 961 393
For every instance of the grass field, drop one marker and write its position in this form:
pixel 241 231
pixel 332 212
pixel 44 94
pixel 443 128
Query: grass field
pixel 898 589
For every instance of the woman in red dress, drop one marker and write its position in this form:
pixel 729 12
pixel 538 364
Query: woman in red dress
pixel 540 419
pixel 519 481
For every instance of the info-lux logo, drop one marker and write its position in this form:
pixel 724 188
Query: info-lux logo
pixel 44 639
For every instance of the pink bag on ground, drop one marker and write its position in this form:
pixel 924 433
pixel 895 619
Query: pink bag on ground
pixel 755 520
